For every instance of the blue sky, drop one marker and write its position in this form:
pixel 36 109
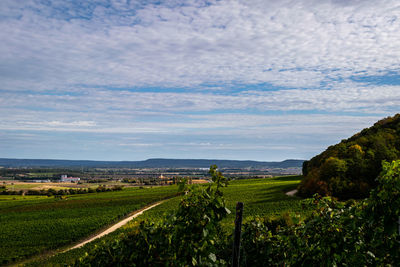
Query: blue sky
pixel 255 79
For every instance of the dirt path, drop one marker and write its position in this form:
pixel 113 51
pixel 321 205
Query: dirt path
pixel 115 226
pixel 291 193
pixel 106 231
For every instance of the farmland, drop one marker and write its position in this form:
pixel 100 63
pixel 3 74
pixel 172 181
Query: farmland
pixel 11 185
pixel 331 232
pixel 33 224
pixel 262 197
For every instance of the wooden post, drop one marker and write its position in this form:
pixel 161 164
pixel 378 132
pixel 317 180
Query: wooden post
pixel 399 225
pixel 238 233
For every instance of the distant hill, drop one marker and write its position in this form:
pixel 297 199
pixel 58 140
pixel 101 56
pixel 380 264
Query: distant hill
pixel 349 169
pixel 150 163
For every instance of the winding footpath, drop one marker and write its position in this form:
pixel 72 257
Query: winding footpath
pixel 291 193
pixel 114 227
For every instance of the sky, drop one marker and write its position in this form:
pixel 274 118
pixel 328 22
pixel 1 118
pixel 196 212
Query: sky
pixel 247 80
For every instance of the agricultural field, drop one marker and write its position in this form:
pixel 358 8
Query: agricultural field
pixel 261 197
pixel 12 185
pixel 33 224
pixel 329 232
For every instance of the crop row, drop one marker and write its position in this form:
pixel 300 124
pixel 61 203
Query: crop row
pixel 262 197
pixel 32 224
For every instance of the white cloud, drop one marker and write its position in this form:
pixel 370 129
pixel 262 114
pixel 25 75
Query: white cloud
pixel 262 137
pixel 73 123
pixel 107 105
pixel 65 68
pixel 289 43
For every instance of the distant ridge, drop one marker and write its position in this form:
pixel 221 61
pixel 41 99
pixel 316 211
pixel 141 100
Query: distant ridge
pixel 150 163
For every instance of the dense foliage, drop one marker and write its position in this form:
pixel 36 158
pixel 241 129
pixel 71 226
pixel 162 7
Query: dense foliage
pixel 363 233
pixel 348 169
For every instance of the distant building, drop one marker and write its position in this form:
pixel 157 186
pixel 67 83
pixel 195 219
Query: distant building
pixel 65 178
pixel 41 181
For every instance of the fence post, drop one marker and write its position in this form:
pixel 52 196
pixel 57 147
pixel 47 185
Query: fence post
pixel 238 233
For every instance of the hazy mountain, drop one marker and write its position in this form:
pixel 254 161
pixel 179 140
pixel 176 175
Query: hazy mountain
pixel 150 163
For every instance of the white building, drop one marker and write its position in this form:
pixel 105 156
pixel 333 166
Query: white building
pixel 65 178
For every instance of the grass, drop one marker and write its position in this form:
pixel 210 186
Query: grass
pixel 261 197
pixel 33 224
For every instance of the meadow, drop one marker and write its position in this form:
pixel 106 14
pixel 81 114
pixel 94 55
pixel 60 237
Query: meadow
pixel 31 225
pixel 261 197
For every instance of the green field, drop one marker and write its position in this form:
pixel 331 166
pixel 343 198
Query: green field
pixel 33 224
pixel 261 197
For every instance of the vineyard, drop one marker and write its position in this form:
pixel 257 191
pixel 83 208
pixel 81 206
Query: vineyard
pixel 262 197
pixel 33 224
pixel 332 233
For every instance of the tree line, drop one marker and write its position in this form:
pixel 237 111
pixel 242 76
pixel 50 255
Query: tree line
pixel 60 192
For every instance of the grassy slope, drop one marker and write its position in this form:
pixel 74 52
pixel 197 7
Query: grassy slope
pixel 261 197
pixel 32 224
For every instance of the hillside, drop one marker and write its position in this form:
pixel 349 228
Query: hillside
pixel 349 169
pixel 150 163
